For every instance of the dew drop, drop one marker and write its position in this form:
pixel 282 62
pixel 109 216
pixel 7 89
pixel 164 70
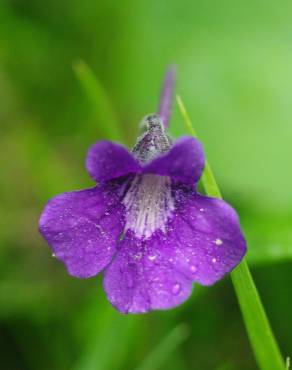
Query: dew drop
pixel 176 288
pixel 193 268
pixel 53 255
pixel 152 258
pixel 218 242
pixel 137 256
pixel 214 260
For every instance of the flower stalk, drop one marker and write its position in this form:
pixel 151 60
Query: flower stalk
pixel 263 342
pixel 165 103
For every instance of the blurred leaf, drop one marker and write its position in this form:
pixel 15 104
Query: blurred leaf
pixel 269 237
pixel 226 366
pixel 99 101
pixel 111 344
pixel 165 348
pixel 270 252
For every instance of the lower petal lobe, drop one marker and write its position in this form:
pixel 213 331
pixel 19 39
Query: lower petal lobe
pixel 83 227
pixel 205 239
pixel 141 278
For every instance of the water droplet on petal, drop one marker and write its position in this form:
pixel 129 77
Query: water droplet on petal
pixel 193 268
pixel 53 255
pixel 137 256
pixel 218 242
pixel 214 260
pixel 152 258
pixel 176 288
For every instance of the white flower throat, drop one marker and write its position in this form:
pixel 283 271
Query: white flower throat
pixel 149 201
pixel 149 204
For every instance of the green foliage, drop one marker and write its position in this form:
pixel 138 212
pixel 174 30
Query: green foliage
pixel 109 127
pixel 164 350
pixel 234 62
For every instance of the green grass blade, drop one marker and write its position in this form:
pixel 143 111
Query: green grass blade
pixel 165 348
pixel 109 348
pixel 261 337
pixel 97 96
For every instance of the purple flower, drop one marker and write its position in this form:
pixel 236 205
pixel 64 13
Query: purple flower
pixel 144 225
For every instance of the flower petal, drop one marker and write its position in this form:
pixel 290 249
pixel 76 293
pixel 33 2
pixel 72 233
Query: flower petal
pixel 141 278
pixel 204 238
pixel 82 228
pixel 183 162
pixel 202 243
pixel 106 160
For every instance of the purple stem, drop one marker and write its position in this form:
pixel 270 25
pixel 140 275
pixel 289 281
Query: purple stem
pixel 166 96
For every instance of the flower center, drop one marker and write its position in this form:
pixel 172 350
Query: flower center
pixel 149 204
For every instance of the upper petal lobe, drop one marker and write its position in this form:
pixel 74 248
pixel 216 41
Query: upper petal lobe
pixel 82 228
pixel 183 162
pixel 107 160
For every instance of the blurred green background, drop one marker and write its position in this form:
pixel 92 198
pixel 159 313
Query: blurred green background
pixel 234 61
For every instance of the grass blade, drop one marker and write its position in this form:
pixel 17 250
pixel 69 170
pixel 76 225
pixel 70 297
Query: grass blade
pixel 261 337
pixel 165 348
pixel 99 101
pixel 109 348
